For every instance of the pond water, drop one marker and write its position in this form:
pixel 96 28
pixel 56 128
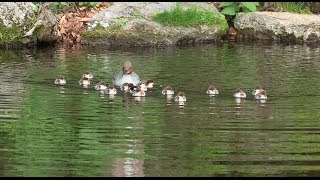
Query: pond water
pixel 50 131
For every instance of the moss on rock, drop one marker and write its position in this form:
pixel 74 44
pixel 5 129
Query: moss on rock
pixel 9 34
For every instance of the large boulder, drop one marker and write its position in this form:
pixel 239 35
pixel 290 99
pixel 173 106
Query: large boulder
pixel 132 24
pixel 278 26
pixel 21 26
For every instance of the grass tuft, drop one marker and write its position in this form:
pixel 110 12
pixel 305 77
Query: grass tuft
pixel 189 17
pixel 294 7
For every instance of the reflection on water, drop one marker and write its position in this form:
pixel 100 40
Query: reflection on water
pixel 49 130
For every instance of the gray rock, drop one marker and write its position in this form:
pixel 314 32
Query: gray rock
pixel 278 26
pixel 131 24
pixel 15 13
pixel 19 25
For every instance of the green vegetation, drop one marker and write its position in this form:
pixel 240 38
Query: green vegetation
pixel 62 6
pixel 294 7
pixel 9 34
pixel 190 17
pixel 97 32
pixel 232 8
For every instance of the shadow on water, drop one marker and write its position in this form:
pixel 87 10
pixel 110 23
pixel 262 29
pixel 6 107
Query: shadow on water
pixel 49 130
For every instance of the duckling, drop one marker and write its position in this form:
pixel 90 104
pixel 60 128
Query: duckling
pixel 126 87
pixel 239 94
pixel 111 90
pixel 60 81
pixel 149 83
pixel 262 95
pixel 88 75
pixel 101 86
pixel 138 92
pixel 143 86
pixel 167 91
pixel 257 90
pixel 181 96
pixel 212 90
pixel 84 82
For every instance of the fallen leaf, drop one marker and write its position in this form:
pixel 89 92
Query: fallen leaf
pixel 84 19
pixel 62 30
pixel 78 40
pixel 62 20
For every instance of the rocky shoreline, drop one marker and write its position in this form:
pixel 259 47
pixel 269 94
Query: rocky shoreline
pixel 129 24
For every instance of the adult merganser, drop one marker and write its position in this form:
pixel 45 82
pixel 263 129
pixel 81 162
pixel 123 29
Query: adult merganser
pixel 126 75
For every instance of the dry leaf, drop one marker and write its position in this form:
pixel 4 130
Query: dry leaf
pixel 62 20
pixel 84 19
pixel 78 40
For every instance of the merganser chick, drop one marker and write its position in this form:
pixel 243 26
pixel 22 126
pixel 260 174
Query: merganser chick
pixel 239 94
pixel 126 87
pixel 60 81
pixel 138 92
pixel 181 96
pixel 262 95
pixel 84 82
pixel 167 91
pixel 257 90
pixel 111 90
pixel 212 90
pixel 88 75
pixel 143 86
pixel 127 75
pixel 101 86
pixel 149 83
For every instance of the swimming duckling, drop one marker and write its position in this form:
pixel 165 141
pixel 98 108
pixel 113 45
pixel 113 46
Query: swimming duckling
pixel 149 83
pixel 126 87
pixel 257 90
pixel 60 81
pixel 101 86
pixel 143 86
pixel 88 75
pixel 212 90
pixel 84 82
pixel 167 91
pixel 138 92
pixel 111 90
pixel 262 95
pixel 181 96
pixel 239 94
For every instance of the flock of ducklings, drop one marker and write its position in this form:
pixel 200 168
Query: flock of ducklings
pixel 140 90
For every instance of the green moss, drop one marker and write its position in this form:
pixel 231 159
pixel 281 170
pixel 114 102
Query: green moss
pixel 97 32
pixel 294 7
pixel 9 34
pixel 190 17
pixel 119 22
